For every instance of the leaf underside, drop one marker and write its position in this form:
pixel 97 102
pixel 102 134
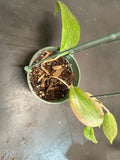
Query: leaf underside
pixel 110 127
pixel 85 109
pixel 70 27
pixel 89 134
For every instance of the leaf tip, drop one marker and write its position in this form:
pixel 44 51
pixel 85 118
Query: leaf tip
pixel 89 134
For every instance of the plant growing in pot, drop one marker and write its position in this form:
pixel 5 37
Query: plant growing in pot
pixel 53 76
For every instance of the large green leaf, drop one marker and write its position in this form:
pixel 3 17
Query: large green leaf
pixel 110 127
pixel 70 27
pixel 89 134
pixel 86 110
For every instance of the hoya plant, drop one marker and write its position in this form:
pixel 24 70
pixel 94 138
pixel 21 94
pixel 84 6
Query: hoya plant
pixel 87 108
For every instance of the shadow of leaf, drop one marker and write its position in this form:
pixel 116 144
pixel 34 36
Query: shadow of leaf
pixel 47 29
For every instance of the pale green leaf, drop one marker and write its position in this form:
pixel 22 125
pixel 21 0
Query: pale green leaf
pixel 110 127
pixel 86 110
pixel 70 27
pixel 89 134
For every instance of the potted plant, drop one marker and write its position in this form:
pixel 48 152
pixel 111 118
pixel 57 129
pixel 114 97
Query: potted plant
pixel 53 76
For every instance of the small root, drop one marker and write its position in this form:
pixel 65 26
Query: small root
pixel 40 78
pixel 50 60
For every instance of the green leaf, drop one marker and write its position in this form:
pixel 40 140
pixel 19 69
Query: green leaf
pixel 70 27
pixel 110 127
pixel 89 134
pixel 86 110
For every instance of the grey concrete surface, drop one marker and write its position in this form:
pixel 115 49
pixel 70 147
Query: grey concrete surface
pixel 31 129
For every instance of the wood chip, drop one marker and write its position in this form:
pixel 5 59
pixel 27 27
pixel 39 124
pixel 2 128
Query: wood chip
pixel 50 86
pixel 47 55
pixel 57 67
pixel 45 70
pixel 42 84
pixel 58 72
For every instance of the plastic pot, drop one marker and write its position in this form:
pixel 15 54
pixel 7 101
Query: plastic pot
pixel 74 68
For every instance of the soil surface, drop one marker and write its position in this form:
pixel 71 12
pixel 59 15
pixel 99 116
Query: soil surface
pixel 43 81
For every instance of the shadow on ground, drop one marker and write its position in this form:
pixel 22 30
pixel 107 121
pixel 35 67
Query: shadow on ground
pixel 86 152
pixel 46 31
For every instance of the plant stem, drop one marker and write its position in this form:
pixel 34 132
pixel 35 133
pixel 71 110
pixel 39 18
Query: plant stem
pixel 107 95
pixel 92 44
pixel 105 109
pixel 96 45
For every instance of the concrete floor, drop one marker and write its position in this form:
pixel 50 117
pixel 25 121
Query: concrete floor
pixel 31 129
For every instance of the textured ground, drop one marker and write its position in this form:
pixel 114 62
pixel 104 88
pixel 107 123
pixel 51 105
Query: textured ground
pixel 31 129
